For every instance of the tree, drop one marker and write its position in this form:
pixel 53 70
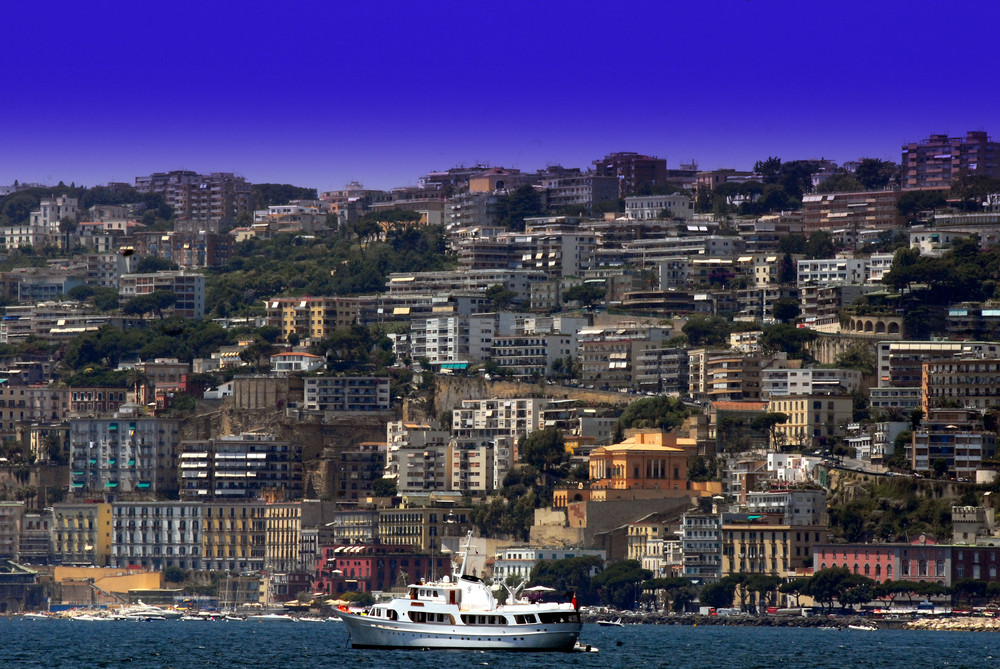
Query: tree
pixel 151 264
pixel 786 309
pixel 587 294
pixel 384 487
pixel 258 354
pixel 859 357
pixel 619 584
pixel 513 208
pixel 768 169
pixel 500 298
pixel 840 182
pixel 718 595
pixel 788 338
pixel 912 203
pixel 658 412
pixel 569 575
pixel 875 174
pixel 826 585
pixel 707 331
pixel 156 302
pixel 769 421
pixel 544 450
pixel 820 245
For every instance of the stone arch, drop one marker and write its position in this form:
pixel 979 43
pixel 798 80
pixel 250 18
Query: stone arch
pixel 868 326
pixel 880 327
pixel 894 328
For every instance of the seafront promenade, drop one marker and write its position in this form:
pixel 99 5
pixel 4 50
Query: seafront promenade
pixel 937 623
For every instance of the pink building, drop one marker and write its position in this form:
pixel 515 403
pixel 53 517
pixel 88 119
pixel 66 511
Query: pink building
pixel 920 560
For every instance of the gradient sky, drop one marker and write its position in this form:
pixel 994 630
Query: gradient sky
pixel 321 93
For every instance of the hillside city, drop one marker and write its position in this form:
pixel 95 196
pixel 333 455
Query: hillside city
pixel 659 388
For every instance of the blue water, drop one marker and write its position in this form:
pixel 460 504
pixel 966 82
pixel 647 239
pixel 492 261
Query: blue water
pixel 188 645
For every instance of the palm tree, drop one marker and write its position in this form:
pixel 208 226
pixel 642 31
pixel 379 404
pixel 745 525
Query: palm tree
pixel 139 381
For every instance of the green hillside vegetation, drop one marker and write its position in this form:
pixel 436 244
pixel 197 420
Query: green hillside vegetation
pixel 893 509
pixel 925 285
pixel 352 262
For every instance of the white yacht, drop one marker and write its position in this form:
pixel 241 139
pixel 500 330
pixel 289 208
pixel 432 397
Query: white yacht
pixel 461 612
pixel 141 611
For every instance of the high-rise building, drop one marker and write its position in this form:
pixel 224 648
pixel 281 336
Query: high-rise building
pixel 219 196
pixel 632 170
pixel 936 161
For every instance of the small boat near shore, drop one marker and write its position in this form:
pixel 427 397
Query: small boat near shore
pixel 611 623
pixel 863 628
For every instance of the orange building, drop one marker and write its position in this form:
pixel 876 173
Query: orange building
pixel 646 465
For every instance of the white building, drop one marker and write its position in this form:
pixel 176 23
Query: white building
pixel 650 207
pixel 777 382
pixel 828 271
pixel 518 561
pixel 417 457
pixel 291 362
pixel 156 535
pixel 797 507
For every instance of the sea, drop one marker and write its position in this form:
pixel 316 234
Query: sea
pixel 69 644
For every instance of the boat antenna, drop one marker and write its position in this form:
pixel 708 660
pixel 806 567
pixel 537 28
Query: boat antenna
pixel 465 556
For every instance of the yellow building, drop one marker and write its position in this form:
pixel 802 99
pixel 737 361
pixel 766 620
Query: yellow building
pixel 311 317
pixel 422 528
pixel 234 536
pixel 757 546
pixel 283 536
pixel 645 465
pixel 811 418
pixel 81 533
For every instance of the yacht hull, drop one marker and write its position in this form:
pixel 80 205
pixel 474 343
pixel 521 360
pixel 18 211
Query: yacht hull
pixel 370 632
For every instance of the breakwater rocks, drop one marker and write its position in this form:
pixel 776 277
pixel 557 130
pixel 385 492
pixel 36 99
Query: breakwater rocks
pixel 740 620
pixel 956 624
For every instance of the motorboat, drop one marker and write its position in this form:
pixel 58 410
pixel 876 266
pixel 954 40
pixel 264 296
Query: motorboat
pixel 611 623
pixel 141 611
pixel 460 612
pixel 863 628
pixel 270 618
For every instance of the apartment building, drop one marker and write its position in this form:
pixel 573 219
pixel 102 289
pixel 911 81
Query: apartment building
pixel 156 535
pixel 952 440
pixel 936 161
pixel 851 211
pixel 239 466
pixel 973 383
pixel 754 544
pixel 312 318
pixel 234 535
pixel 221 196
pixel 355 468
pixel 346 393
pixel 519 561
pixel 417 457
pixel 518 282
pixel 812 419
pixel 811 381
pixel 82 533
pixel 611 356
pixel 188 288
pixel 128 453
pixel 701 545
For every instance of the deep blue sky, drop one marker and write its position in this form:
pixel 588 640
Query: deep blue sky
pixel 319 93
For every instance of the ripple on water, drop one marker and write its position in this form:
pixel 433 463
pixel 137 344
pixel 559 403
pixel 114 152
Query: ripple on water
pixel 167 644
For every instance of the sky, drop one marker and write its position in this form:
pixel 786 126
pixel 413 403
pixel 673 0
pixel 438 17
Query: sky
pixel 318 94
